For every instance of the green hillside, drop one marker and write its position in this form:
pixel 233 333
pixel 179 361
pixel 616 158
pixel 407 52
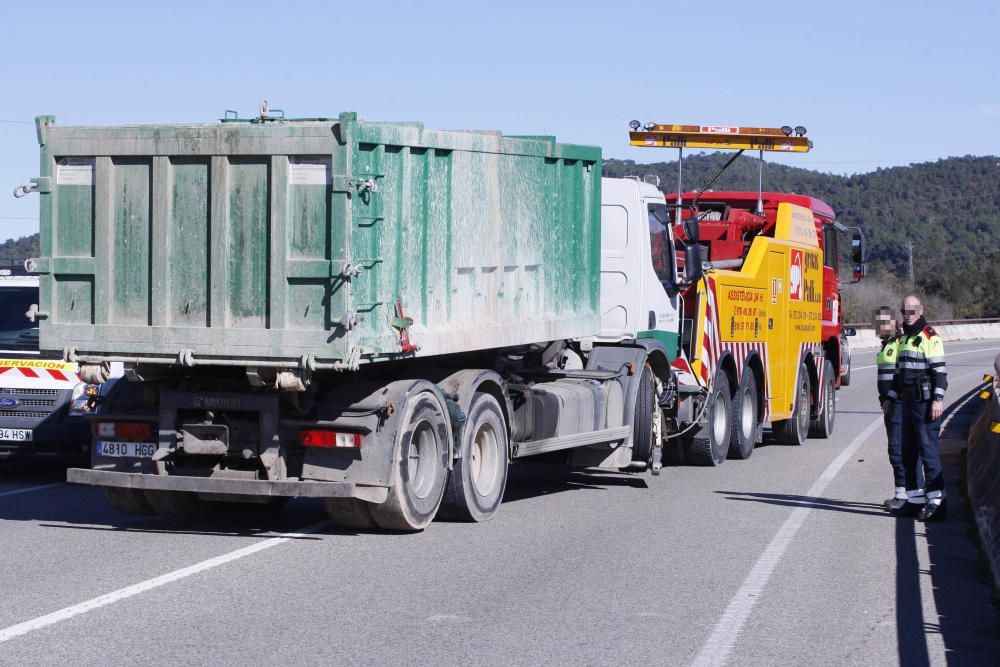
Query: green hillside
pixel 949 209
pixel 22 248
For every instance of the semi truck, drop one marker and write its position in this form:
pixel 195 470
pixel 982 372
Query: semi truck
pixel 377 314
pixel 43 403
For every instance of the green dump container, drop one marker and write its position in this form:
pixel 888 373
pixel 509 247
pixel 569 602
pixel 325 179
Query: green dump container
pixel 330 242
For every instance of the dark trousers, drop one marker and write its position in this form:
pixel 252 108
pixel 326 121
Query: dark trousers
pixel 893 417
pixel 920 442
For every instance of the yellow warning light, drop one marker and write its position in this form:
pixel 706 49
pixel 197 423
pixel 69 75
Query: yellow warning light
pixel 781 139
pixel 987 378
pixel 995 427
pixel 986 395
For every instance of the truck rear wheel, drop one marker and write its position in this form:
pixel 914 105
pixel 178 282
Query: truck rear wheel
pixel 744 426
pixel 128 501
pixel 478 478
pixel 349 513
pixel 175 504
pixel 710 449
pixel 795 430
pixel 822 426
pixel 420 470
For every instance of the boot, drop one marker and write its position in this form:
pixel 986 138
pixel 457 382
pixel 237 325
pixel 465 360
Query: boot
pixel 908 510
pixel 934 511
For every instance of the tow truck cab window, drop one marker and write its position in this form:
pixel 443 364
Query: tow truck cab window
pixel 831 247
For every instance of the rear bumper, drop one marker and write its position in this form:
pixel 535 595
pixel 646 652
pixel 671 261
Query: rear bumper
pixel 233 487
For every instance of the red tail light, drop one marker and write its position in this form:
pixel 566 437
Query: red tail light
pixel 124 430
pixel 334 439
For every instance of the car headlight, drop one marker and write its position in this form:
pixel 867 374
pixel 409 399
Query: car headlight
pixel 84 398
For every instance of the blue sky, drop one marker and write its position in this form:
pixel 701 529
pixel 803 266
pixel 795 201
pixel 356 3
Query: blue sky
pixel 877 83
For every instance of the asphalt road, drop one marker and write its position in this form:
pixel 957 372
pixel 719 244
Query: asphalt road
pixel 784 559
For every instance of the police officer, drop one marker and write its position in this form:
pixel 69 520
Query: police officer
pixel 886 328
pixel 922 379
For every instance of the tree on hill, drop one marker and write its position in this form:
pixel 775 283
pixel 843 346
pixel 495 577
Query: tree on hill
pixel 22 248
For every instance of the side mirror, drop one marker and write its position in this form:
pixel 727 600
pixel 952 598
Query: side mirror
pixel 859 271
pixel 850 331
pixel 692 263
pixel 858 248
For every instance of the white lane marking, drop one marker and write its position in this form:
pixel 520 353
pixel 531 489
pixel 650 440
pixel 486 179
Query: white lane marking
pixel 720 643
pixel 29 489
pixel 143 586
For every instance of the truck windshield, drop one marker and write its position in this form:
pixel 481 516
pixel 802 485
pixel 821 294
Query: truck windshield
pixel 659 243
pixel 16 331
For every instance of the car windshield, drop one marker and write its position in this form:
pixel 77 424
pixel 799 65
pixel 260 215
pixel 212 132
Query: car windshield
pixel 16 331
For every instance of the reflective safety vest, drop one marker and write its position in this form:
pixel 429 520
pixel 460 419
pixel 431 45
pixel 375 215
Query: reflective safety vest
pixel 886 362
pixel 920 360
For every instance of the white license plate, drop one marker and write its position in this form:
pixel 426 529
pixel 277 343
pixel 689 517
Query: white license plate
pixel 136 450
pixel 16 434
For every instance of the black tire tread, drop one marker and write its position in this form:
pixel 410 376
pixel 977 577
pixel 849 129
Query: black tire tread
pixel 738 449
pixel 699 449
pixel 128 501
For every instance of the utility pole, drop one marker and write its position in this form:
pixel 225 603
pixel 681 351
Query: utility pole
pixel 909 250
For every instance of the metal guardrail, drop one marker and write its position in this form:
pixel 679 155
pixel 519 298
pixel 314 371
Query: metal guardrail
pixel 981 320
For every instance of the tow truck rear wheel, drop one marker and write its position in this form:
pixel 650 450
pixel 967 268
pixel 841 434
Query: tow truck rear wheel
pixel 795 430
pixel 128 501
pixel 420 470
pixel 822 426
pixel 709 448
pixel 744 426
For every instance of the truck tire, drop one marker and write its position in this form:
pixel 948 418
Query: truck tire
pixel 744 417
pixel 176 504
pixel 710 447
pixel 795 430
pixel 822 426
pixel 478 478
pixel 642 421
pixel 420 468
pixel 845 379
pixel 349 513
pixel 128 501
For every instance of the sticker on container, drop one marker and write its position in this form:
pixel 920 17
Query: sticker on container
pixel 75 171
pixel 310 170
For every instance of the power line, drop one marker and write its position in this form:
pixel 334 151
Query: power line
pixel 16 122
pixel 4 217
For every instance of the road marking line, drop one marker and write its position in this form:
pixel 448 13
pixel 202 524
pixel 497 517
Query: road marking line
pixel 31 488
pixel 143 586
pixel 720 643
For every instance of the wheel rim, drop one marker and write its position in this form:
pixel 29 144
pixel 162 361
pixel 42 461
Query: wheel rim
pixel 747 417
pixel 421 459
pixel 803 408
pixel 720 419
pixel 485 468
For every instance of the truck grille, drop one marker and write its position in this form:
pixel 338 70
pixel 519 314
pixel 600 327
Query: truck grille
pixel 4 391
pixel 38 403
pixel 19 413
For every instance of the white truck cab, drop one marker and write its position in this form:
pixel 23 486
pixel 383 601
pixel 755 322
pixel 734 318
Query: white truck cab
pixel 638 271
